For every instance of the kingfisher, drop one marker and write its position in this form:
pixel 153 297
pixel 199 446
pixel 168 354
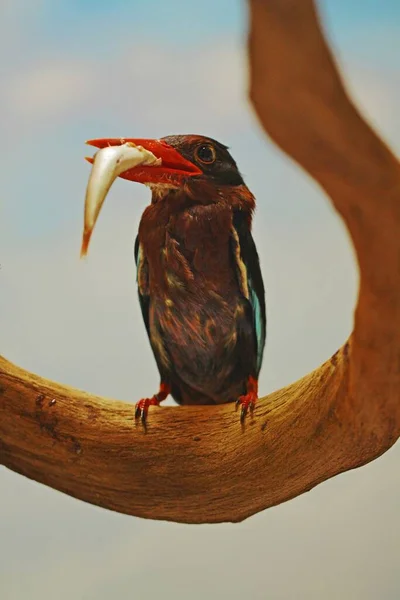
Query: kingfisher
pixel 199 281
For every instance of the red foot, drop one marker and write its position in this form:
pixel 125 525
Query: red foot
pixel 142 407
pixel 248 400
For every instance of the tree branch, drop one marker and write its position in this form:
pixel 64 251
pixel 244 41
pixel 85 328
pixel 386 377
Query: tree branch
pixel 195 464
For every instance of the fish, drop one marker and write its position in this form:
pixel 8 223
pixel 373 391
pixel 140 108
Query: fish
pixel 108 164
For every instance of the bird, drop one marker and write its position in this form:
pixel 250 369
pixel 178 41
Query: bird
pixel 199 280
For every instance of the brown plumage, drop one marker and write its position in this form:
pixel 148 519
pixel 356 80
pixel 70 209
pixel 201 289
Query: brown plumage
pixel 199 280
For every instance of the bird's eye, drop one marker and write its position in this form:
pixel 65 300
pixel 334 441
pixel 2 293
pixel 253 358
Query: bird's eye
pixel 205 154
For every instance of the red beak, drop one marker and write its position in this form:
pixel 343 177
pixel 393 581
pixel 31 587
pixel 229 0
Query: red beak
pixel 174 167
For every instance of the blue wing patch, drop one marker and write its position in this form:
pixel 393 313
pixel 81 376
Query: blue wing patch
pixel 250 279
pixel 259 323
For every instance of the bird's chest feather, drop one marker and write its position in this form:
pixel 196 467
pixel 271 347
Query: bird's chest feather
pixel 195 300
pixel 188 252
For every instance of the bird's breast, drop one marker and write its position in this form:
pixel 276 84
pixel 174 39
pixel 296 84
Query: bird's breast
pixel 190 253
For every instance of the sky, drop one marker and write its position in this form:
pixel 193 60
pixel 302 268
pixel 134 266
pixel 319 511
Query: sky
pixel 71 71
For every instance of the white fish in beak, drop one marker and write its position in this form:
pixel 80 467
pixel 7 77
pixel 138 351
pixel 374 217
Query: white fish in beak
pixel 108 164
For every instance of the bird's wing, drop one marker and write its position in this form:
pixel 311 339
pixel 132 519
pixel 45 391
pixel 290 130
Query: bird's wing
pixel 142 278
pixel 250 278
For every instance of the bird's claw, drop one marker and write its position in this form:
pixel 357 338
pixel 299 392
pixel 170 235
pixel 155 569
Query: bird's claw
pixel 247 402
pixel 142 408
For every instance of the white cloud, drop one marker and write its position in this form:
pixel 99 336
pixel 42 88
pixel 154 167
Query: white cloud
pixel 376 93
pixel 47 91
pixel 158 84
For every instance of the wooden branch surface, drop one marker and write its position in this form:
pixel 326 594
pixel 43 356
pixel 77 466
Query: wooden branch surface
pixel 195 464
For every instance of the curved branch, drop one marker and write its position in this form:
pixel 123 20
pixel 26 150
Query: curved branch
pixel 195 464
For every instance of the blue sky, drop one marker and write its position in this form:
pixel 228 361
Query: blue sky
pixel 366 28
pixel 91 39
pixel 188 20
pixel 81 24
pixel 72 70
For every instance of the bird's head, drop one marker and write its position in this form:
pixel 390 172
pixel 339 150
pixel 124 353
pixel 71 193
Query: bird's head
pixel 190 168
pixel 184 158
